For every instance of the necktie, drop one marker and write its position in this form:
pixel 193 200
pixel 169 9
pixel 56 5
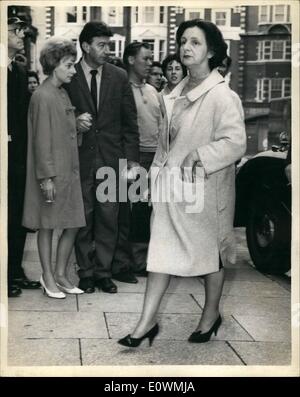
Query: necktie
pixel 94 87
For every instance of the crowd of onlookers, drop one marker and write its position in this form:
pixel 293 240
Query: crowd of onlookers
pixel 115 247
pixel 178 118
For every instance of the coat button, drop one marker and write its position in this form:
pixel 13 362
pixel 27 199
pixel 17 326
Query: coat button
pixel 92 147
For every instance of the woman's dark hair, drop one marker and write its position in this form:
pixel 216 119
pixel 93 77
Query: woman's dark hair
pixel 32 73
pixel 93 29
pixel 170 58
pixel 214 39
pixel 54 50
pixel 132 50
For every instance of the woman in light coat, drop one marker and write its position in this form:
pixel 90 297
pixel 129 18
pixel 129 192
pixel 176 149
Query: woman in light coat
pixel 204 136
pixel 53 197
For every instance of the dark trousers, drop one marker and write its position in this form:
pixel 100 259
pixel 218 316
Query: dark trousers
pixel 139 250
pixel 101 246
pixel 16 233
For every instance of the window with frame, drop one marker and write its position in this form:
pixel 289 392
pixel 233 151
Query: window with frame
pixel 287 87
pixel 279 13
pixel 277 49
pixel 149 14
pixel 274 50
pixel 264 14
pixel 161 50
pixel 220 18
pixel 162 14
pixel 275 88
pixel 84 13
pixel 267 89
pixel 259 90
pixel 136 14
pixel 71 14
pixel 194 13
pixel 116 47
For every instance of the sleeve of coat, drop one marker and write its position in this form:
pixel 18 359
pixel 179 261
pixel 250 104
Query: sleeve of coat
pixel 229 143
pixel 129 124
pixel 42 137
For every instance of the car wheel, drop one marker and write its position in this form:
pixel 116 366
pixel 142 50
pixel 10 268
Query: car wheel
pixel 268 232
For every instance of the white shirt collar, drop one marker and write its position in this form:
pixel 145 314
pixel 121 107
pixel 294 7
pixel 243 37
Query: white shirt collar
pixel 87 69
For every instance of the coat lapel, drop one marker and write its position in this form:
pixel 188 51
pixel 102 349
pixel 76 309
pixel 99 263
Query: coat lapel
pixel 212 80
pixel 104 87
pixel 83 85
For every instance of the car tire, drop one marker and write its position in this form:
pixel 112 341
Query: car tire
pixel 268 232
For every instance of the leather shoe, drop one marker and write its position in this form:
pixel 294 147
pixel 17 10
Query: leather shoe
pixel 87 285
pixel 24 283
pixel 125 277
pixel 141 273
pixel 14 291
pixel 107 285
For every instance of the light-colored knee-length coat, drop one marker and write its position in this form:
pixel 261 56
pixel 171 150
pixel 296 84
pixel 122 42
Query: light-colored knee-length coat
pixel 208 120
pixel 52 153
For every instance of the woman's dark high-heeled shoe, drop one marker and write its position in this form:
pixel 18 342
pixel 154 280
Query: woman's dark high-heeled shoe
pixel 128 341
pixel 198 337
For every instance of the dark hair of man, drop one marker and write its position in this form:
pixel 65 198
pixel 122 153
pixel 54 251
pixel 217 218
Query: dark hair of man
pixel 93 29
pixel 132 50
pixel 156 64
pixel 169 59
pixel 214 39
pixel 32 73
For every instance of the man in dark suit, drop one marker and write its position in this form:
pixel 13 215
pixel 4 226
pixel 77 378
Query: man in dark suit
pixel 108 132
pixel 17 152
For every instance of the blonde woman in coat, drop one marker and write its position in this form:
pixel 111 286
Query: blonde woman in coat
pixel 53 196
pixel 204 136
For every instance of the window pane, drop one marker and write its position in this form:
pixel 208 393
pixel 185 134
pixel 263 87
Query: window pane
pixel 277 50
pixel 288 50
pixel 263 13
pixel 71 14
pixel 276 88
pixel 149 14
pixel 220 18
pixel 84 13
pixel 287 87
pixel 195 15
pixel 161 14
pixel 161 50
pixel 279 13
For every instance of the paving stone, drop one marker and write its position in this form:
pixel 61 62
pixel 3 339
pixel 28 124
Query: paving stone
pixel 35 300
pixel 177 285
pixel 133 302
pixel 135 288
pixel 265 328
pixel 40 352
pixel 245 274
pixel 263 353
pixel 252 305
pixel 33 271
pixel 174 326
pixel 162 352
pixel 253 288
pixel 52 325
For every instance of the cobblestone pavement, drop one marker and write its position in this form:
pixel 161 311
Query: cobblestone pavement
pixel 83 330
